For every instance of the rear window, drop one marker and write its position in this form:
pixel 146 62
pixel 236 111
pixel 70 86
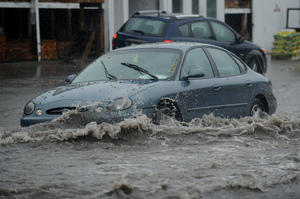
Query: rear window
pixel 241 64
pixel 145 26
pixel 225 64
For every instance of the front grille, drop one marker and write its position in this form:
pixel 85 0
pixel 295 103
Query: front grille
pixel 60 110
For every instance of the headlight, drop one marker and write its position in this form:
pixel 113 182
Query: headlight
pixel 29 108
pixel 119 104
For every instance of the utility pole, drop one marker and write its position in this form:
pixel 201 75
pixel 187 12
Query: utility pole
pixel 35 19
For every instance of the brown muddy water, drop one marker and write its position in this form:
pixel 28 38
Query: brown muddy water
pixel 207 158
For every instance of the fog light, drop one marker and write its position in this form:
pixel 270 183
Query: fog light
pixel 38 112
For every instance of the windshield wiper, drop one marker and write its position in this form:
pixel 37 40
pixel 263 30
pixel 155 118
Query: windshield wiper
pixel 107 74
pixel 141 70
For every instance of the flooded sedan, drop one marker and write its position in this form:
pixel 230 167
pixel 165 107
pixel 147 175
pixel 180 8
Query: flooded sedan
pixel 181 80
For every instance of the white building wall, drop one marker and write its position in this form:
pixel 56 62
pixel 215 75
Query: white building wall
pixel 203 7
pixel 116 13
pixel 221 10
pixel 165 5
pixel 187 6
pixel 268 17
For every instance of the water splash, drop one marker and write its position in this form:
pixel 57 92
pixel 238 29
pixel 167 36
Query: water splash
pixel 72 126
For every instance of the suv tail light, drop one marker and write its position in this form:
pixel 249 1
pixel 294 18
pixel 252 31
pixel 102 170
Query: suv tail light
pixel 168 41
pixel 113 41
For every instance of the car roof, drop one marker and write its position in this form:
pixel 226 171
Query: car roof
pixel 173 45
pixel 164 14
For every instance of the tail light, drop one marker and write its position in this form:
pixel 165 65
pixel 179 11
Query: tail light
pixel 113 41
pixel 168 41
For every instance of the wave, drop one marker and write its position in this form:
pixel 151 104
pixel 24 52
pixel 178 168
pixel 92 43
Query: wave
pixel 68 127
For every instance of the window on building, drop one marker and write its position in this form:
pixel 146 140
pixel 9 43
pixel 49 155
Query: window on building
pixel 211 8
pixel 195 7
pixel 177 6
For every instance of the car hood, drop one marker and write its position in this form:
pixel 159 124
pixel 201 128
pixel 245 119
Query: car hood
pixel 96 91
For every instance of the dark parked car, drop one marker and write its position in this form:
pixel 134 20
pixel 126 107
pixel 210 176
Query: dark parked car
pixel 156 26
pixel 182 80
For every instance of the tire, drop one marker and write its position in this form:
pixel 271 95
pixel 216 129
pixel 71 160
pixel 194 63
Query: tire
pixel 256 66
pixel 166 108
pixel 257 109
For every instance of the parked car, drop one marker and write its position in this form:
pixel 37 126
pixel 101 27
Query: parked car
pixel 157 26
pixel 182 80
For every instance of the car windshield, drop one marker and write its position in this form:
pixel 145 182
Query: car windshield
pixel 143 26
pixel 138 64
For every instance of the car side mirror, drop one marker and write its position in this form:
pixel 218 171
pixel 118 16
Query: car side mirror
pixel 240 40
pixel 194 73
pixel 70 78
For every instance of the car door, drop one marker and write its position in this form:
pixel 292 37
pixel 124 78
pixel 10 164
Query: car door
pixel 198 96
pixel 234 89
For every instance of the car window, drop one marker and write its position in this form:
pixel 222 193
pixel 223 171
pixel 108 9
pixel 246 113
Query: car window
pixel 184 30
pixel 142 26
pixel 222 32
pixel 195 30
pixel 241 64
pixel 201 30
pixel 225 64
pixel 197 59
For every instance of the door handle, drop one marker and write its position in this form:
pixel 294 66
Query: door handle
pixel 248 83
pixel 217 87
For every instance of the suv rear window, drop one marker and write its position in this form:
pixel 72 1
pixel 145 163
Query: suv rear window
pixel 143 26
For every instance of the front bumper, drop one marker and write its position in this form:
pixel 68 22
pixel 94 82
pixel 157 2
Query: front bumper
pixel 31 120
pixel 88 116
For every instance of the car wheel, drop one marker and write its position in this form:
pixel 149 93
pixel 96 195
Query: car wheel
pixel 166 108
pixel 255 65
pixel 257 109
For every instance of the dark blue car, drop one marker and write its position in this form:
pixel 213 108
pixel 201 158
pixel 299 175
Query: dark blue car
pixel 156 26
pixel 182 80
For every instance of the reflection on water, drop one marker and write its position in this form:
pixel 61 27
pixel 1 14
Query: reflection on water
pixel 207 157
pixel 40 69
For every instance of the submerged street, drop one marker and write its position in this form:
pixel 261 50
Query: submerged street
pixel 209 157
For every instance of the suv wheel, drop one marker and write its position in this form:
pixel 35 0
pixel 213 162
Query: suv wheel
pixel 255 65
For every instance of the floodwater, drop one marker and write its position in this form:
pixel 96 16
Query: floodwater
pixel 207 158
